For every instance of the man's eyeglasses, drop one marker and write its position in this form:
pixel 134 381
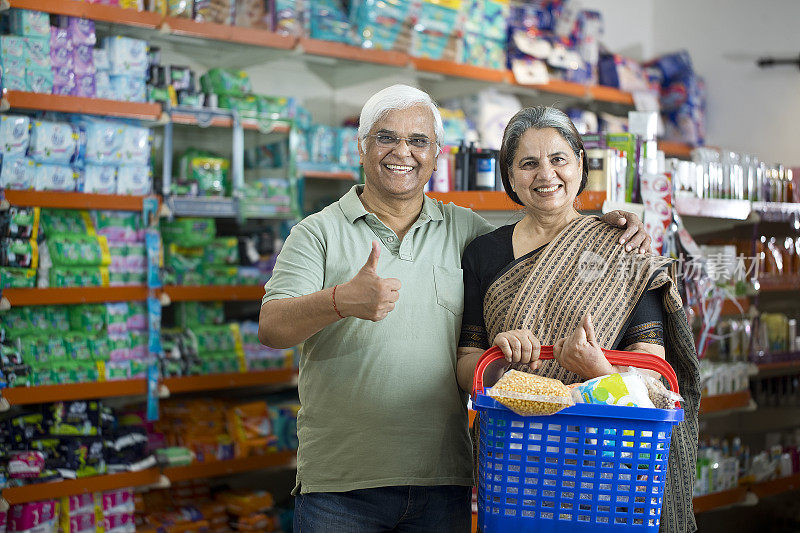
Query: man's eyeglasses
pixel 387 141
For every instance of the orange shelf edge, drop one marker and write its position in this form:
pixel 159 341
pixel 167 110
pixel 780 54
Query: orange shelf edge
pixel 610 94
pixel 318 47
pixel 229 33
pixel 78 104
pixel 676 149
pixel 74 200
pixel 779 284
pixel 776 486
pixel 561 87
pixel 74 295
pixel 228 381
pixel 208 293
pixel 590 200
pixel 724 402
pixel 76 8
pixel 74 391
pixel 318 174
pixel 477 200
pixel 59 489
pixel 709 502
pixel 461 70
pixel 229 466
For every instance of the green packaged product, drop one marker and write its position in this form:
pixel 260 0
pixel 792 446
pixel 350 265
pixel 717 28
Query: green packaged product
pixel 220 275
pixel 20 222
pixel 222 251
pixel 272 107
pixel 189 232
pixel 41 347
pixel 49 318
pixel 117 225
pixel 626 142
pixel 77 346
pixel 16 322
pixel 87 318
pixel 193 314
pixel 58 221
pixel 79 277
pixel 183 258
pixel 99 346
pixel 203 173
pixel 42 374
pixel 19 253
pixel 71 250
pixel 215 339
pixel 225 82
pixel 245 106
pixel 249 276
pixel 17 278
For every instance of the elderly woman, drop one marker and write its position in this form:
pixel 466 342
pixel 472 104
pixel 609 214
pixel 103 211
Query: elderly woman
pixel 561 278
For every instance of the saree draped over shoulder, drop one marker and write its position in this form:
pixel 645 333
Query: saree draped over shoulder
pixel 584 269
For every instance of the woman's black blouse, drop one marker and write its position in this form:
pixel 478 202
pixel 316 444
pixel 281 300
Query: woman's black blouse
pixel 486 257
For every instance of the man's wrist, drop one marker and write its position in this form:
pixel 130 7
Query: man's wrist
pixel 335 306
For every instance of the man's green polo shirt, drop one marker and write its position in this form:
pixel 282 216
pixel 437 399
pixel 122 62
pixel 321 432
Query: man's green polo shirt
pixel 380 402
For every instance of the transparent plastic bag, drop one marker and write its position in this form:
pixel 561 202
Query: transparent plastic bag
pixel 531 395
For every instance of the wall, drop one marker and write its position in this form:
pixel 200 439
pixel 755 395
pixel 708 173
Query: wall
pixel 749 109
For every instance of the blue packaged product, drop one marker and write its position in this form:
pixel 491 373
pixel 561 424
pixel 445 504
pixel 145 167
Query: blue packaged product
pixel 17 173
pixel 99 179
pixel 134 179
pixel 135 146
pixel 126 55
pixel 288 17
pixel 84 86
pixel 15 67
pixel 37 52
pixel 487 18
pixel 12 47
pixel 12 82
pixel 29 23
pixel 322 144
pixel 39 81
pixel 103 140
pixel 329 23
pixel 52 142
pixel 428 45
pixel 14 135
pixel 348 147
pixel 435 18
pixel 102 85
pixel 54 178
pixel 101 60
pixel 129 88
pixel 380 23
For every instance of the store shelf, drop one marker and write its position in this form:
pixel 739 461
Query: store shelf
pixel 74 200
pixel 318 174
pixel 59 489
pixel 233 380
pixel 78 8
pixel 460 70
pixel 74 295
pixel 713 208
pixel 202 206
pixel 78 104
pixel 477 200
pixel 217 121
pixel 777 363
pixel 565 88
pixel 610 94
pixel 779 284
pixel 352 53
pixel 729 307
pixel 776 486
pixel 222 32
pixel 213 293
pixel 725 402
pixel 676 149
pixel 591 200
pixel 74 391
pixel 777 211
pixel 230 466
pixel 716 500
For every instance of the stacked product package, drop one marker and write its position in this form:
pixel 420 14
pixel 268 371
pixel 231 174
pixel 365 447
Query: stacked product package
pixel 73 59
pixel 484 40
pixel 382 25
pixel 25 54
pixel 85 154
pixel 260 357
pixel 438 30
pixel 69 440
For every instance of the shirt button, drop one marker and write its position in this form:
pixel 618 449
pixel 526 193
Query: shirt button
pixel 389 239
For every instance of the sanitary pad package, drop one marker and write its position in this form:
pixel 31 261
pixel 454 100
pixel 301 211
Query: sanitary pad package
pixel 29 23
pixel 14 135
pixel 53 142
pixel 49 177
pixel 134 179
pixel 99 179
pixel 17 173
pixel 126 55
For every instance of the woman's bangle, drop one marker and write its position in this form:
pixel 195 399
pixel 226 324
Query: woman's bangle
pixel 333 297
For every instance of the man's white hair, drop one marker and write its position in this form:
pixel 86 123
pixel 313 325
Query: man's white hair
pixel 396 97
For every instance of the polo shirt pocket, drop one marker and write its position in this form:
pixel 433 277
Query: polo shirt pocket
pixel 449 284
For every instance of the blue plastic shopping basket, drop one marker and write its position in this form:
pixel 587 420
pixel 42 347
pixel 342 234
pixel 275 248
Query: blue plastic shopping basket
pixel 586 468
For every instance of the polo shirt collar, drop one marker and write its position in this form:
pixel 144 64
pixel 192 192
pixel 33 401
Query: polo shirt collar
pixel 353 209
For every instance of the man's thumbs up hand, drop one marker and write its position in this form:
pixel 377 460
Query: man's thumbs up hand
pixel 367 295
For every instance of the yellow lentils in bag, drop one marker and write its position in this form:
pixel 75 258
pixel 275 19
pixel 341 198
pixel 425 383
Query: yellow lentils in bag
pixel 529 394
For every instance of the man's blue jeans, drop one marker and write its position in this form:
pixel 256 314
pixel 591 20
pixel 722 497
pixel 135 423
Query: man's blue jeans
pixel 401 509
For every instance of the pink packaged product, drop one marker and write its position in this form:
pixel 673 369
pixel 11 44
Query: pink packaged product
pixel 119 522
pixel 82 523
pixel 30 515
pixel 25 464
pixel 79 504
pixel 3 518
pixel 63 76
pixel 83 59
pixel 81 31
pixel 51 526
pixel 118 501
pixel 60 48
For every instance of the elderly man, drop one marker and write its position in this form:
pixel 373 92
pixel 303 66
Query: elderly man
pixel 384 444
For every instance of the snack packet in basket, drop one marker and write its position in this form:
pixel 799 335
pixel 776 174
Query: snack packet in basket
pixel 627 388
pixel 660 395
pixel 531 395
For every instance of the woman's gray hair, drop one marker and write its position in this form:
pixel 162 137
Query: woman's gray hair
pixel 539 118
pixel 396 97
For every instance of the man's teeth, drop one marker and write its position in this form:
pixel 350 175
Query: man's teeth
pixel 546 189
pixel 400 168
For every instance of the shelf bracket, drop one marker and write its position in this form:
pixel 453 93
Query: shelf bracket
pixel 5 105
pixel 163 392
pixel 164 299
pixel 5 305
pixel 4 406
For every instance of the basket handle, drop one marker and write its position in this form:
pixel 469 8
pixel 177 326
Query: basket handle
pixel 615 357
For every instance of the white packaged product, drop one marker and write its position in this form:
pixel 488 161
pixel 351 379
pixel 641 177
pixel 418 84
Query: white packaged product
pixel 52 142
pixel 134 179
pixel 54 178
pixel 17 173
pixel 14 135
pixel 135 145
pixel 100 179
pixel 103 140
pixel 129 88
pixel 101 60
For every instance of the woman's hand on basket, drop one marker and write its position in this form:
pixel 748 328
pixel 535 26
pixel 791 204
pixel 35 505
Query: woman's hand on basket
pixel 519 346
pixel 580 352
